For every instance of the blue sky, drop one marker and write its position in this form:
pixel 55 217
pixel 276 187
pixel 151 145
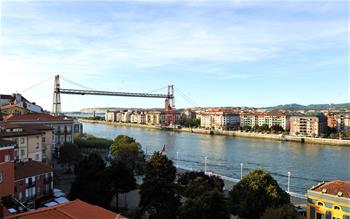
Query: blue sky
pixel 226 53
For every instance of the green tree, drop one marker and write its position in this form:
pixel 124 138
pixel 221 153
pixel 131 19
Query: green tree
pixel 129 151
pixel 208 205
pixel 255 193
pixel 91 183
pixel 286 211
pixel 197 182
pixel 158 198
pixel 121 178
pixel 277 128
pixel 70 155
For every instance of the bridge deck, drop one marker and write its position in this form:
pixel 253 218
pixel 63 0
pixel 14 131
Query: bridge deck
pixel 109 93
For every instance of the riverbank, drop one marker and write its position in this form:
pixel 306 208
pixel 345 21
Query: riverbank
pixel 276 137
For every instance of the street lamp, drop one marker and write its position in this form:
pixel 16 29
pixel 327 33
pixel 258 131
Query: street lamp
pixel 288 188
pixel 177 160
pixel 205 165
pixel 241 170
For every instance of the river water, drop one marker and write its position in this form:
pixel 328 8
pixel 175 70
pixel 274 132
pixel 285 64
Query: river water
pixel 309 164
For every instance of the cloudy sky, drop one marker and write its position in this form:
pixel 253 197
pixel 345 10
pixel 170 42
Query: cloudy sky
pixel 226 53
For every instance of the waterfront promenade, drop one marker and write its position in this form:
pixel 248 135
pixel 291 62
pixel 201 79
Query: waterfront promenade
pixel 277 137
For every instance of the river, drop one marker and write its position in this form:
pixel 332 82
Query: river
pixel 309 164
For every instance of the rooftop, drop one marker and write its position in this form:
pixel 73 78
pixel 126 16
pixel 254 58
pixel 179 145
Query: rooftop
pixel 30 168
pixel 76 209
pixel 338 188
pixel 36 117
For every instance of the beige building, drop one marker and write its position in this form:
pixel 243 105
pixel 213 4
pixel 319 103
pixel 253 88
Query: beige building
pixel 307 125
pixel 62 126
pixel 343 123
pixel 29 142
pixel 218 119
pixel 46 141
pixel 154 117
pixel 252 119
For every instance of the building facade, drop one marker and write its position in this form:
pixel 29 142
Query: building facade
pixel 343 123
pixel 329 200
pixel 219 119
pixel 33 181
pixel 62 126
pixel 252 119
pixel 6 168
pixel 28 141
pixel 307 125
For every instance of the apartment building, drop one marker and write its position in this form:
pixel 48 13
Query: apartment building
pixel 62 126
pixel 331 119
pixel 154 117
pixel 28 141
pixel 307 125
pixel 252 119
pixel 110 116
pixel 46 141
pixel 329 200
pixel 18 105
pixel 33 181
pixel 6 167
pixel 343 123
pixel 219 119
pixel 137 117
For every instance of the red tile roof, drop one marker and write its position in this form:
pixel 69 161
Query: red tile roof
pixel 9 125
pixel 335 187
pixel 30 168
pixel 36 117
pixel 76 209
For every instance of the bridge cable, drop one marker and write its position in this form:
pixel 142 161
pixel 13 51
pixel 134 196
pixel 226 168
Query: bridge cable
pixel 188 99
pixel 75 83
pixel 28 88
pixel 152 91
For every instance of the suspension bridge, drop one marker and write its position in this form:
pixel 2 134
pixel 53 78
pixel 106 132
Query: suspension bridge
pixel 169 106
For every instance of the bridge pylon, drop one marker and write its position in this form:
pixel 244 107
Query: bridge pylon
pixel 56 105
pixel 169 110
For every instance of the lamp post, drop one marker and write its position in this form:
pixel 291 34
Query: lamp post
pixel 205 165
pixel 288 188
pixel 177 160
pixel 241 170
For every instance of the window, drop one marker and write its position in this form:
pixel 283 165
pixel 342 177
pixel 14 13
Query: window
pixel 22 140
pixel 43 139
pixel 37 145
pixel 37 157
pixel 312 212
pixel 319 216
pixel 1 179
pixel 20 196
pixel 69 138
pixel 22 153
pixel 7 158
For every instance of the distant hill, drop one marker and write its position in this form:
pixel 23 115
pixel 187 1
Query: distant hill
pixel 291 107
pixel 295 106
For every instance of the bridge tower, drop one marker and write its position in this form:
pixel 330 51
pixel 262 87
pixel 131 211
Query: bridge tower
pixel 169 110
pixel 56 106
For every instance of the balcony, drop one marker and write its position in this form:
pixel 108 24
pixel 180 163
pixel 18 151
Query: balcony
pixel 30 184
pixel 48 180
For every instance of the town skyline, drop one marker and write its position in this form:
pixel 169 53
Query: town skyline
pixel 255 54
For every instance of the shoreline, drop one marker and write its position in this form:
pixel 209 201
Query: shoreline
pixel 276 137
